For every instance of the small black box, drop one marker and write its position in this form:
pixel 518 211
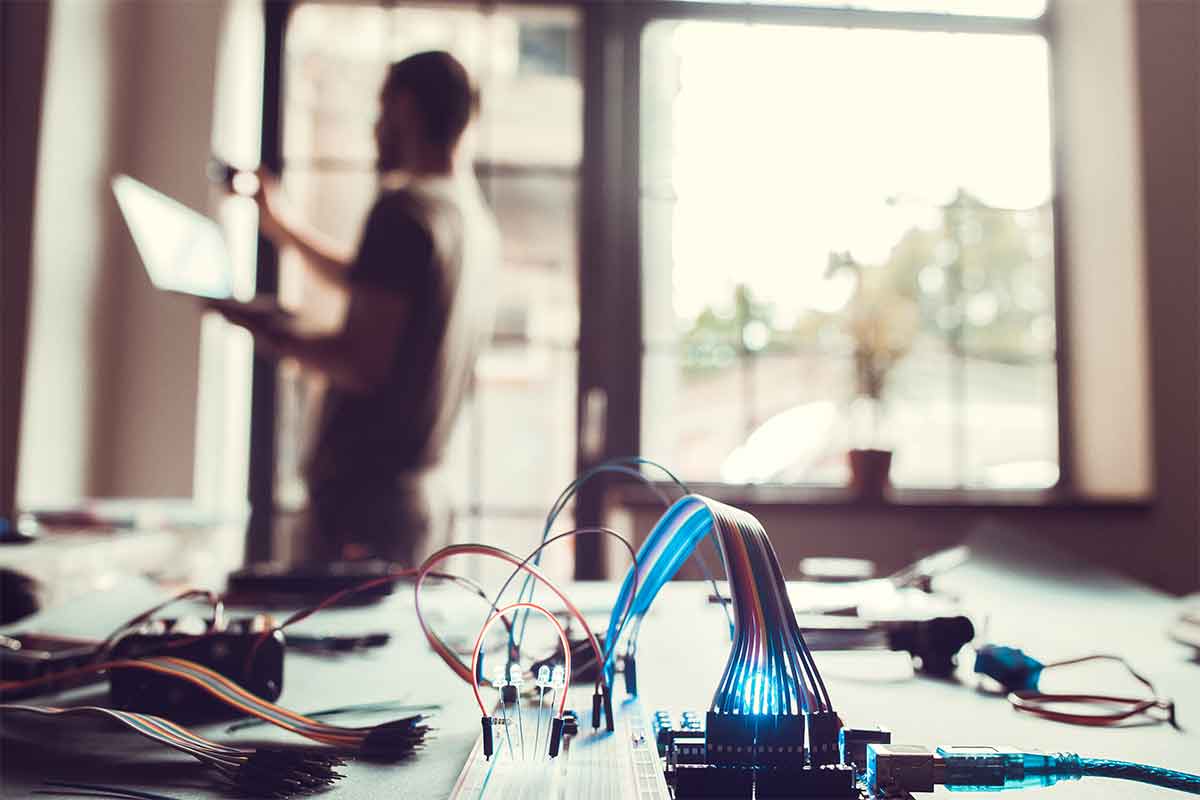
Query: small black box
pixel 710 781
pixel 226 652
pixel 729 738
pixel 688 749
pixel 834 781
pixel 823 727
pixel 852 742
pixel 780 741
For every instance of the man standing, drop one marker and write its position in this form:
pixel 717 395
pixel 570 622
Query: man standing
pixel 420 291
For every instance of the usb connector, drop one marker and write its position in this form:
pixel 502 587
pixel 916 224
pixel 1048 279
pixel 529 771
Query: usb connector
pixel 896 769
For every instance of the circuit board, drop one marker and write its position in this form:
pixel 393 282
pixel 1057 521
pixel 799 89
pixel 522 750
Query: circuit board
pixel 593 765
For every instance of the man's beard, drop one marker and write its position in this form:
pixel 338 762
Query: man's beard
pixel 390 157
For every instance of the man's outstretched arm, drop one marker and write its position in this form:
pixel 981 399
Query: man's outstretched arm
pixel 357 358
pixel 329 259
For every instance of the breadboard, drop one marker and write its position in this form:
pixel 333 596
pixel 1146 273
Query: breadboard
pixel 593 765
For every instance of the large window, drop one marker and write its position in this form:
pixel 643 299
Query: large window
pixel 515 443
pixel 839 223
pixel 847 241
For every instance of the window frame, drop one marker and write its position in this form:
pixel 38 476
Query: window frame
pixel 610 276
pixel 627 316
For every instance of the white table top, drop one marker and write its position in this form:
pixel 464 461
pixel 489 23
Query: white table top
pixel 1056 611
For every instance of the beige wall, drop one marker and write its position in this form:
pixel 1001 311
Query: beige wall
pixel 111 390
pixel 1099 161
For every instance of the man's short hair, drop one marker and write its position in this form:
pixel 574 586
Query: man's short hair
pixel 442 90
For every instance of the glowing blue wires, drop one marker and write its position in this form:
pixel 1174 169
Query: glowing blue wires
pixel 673 538
pixel 770 668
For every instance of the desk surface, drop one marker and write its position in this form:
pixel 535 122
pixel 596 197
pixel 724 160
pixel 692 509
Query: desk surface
pixel 1053 612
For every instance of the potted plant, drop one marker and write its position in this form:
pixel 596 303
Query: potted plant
pixel 881 323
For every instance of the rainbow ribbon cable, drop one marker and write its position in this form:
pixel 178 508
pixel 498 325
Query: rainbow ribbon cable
pixel 257 772
pixel 395 739
pixel 770 669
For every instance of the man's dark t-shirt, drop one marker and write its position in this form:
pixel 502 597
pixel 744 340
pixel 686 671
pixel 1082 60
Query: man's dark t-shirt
pixel 412 245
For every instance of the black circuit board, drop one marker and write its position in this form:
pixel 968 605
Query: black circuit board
pixel 680 740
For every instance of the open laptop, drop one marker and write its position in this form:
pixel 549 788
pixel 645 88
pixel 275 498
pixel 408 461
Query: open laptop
pixel 183 251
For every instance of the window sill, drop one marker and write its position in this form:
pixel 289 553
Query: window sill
pixel 834 497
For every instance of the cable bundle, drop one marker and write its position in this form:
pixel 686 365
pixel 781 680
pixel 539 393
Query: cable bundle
pixel 261 772
pixel 770 669
pixel 393 740
pixel 770 679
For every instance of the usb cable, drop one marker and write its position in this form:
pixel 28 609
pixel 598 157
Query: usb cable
pixel 896 769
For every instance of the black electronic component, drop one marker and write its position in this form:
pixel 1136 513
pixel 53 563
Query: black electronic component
pixel 596 703
pixel 852 744
pixel 337 644
pixel 823 728
pixel 833 781
pixel 488 746
pixel 570 723
pixel 556 733
pixel 779 741
pixel 631 676
pixel 28 656
pixel 729 739
pixel 508 694
pixel 680 741
pixel 934 642
pixel 226 652
pixel 687 748
pixel 318 580
pixel 713 781
pixel 19 593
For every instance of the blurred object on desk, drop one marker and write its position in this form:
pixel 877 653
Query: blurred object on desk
pixel 269 583
pixel 98 514
pixel 18 595
pixel 1186 629
pixel 933 643
pixel 10 534
pixel 920 573
pixel 836 570
pixel 67 565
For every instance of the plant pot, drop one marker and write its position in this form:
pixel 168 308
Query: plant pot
pixel 869 471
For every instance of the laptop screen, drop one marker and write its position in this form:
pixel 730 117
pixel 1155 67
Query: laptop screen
pixel 183 251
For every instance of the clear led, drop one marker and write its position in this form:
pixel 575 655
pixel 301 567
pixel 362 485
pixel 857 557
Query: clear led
pixel 499 677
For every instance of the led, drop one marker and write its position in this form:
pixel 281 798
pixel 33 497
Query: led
pixel 559 679
pixel 498 676
pixel 543 676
